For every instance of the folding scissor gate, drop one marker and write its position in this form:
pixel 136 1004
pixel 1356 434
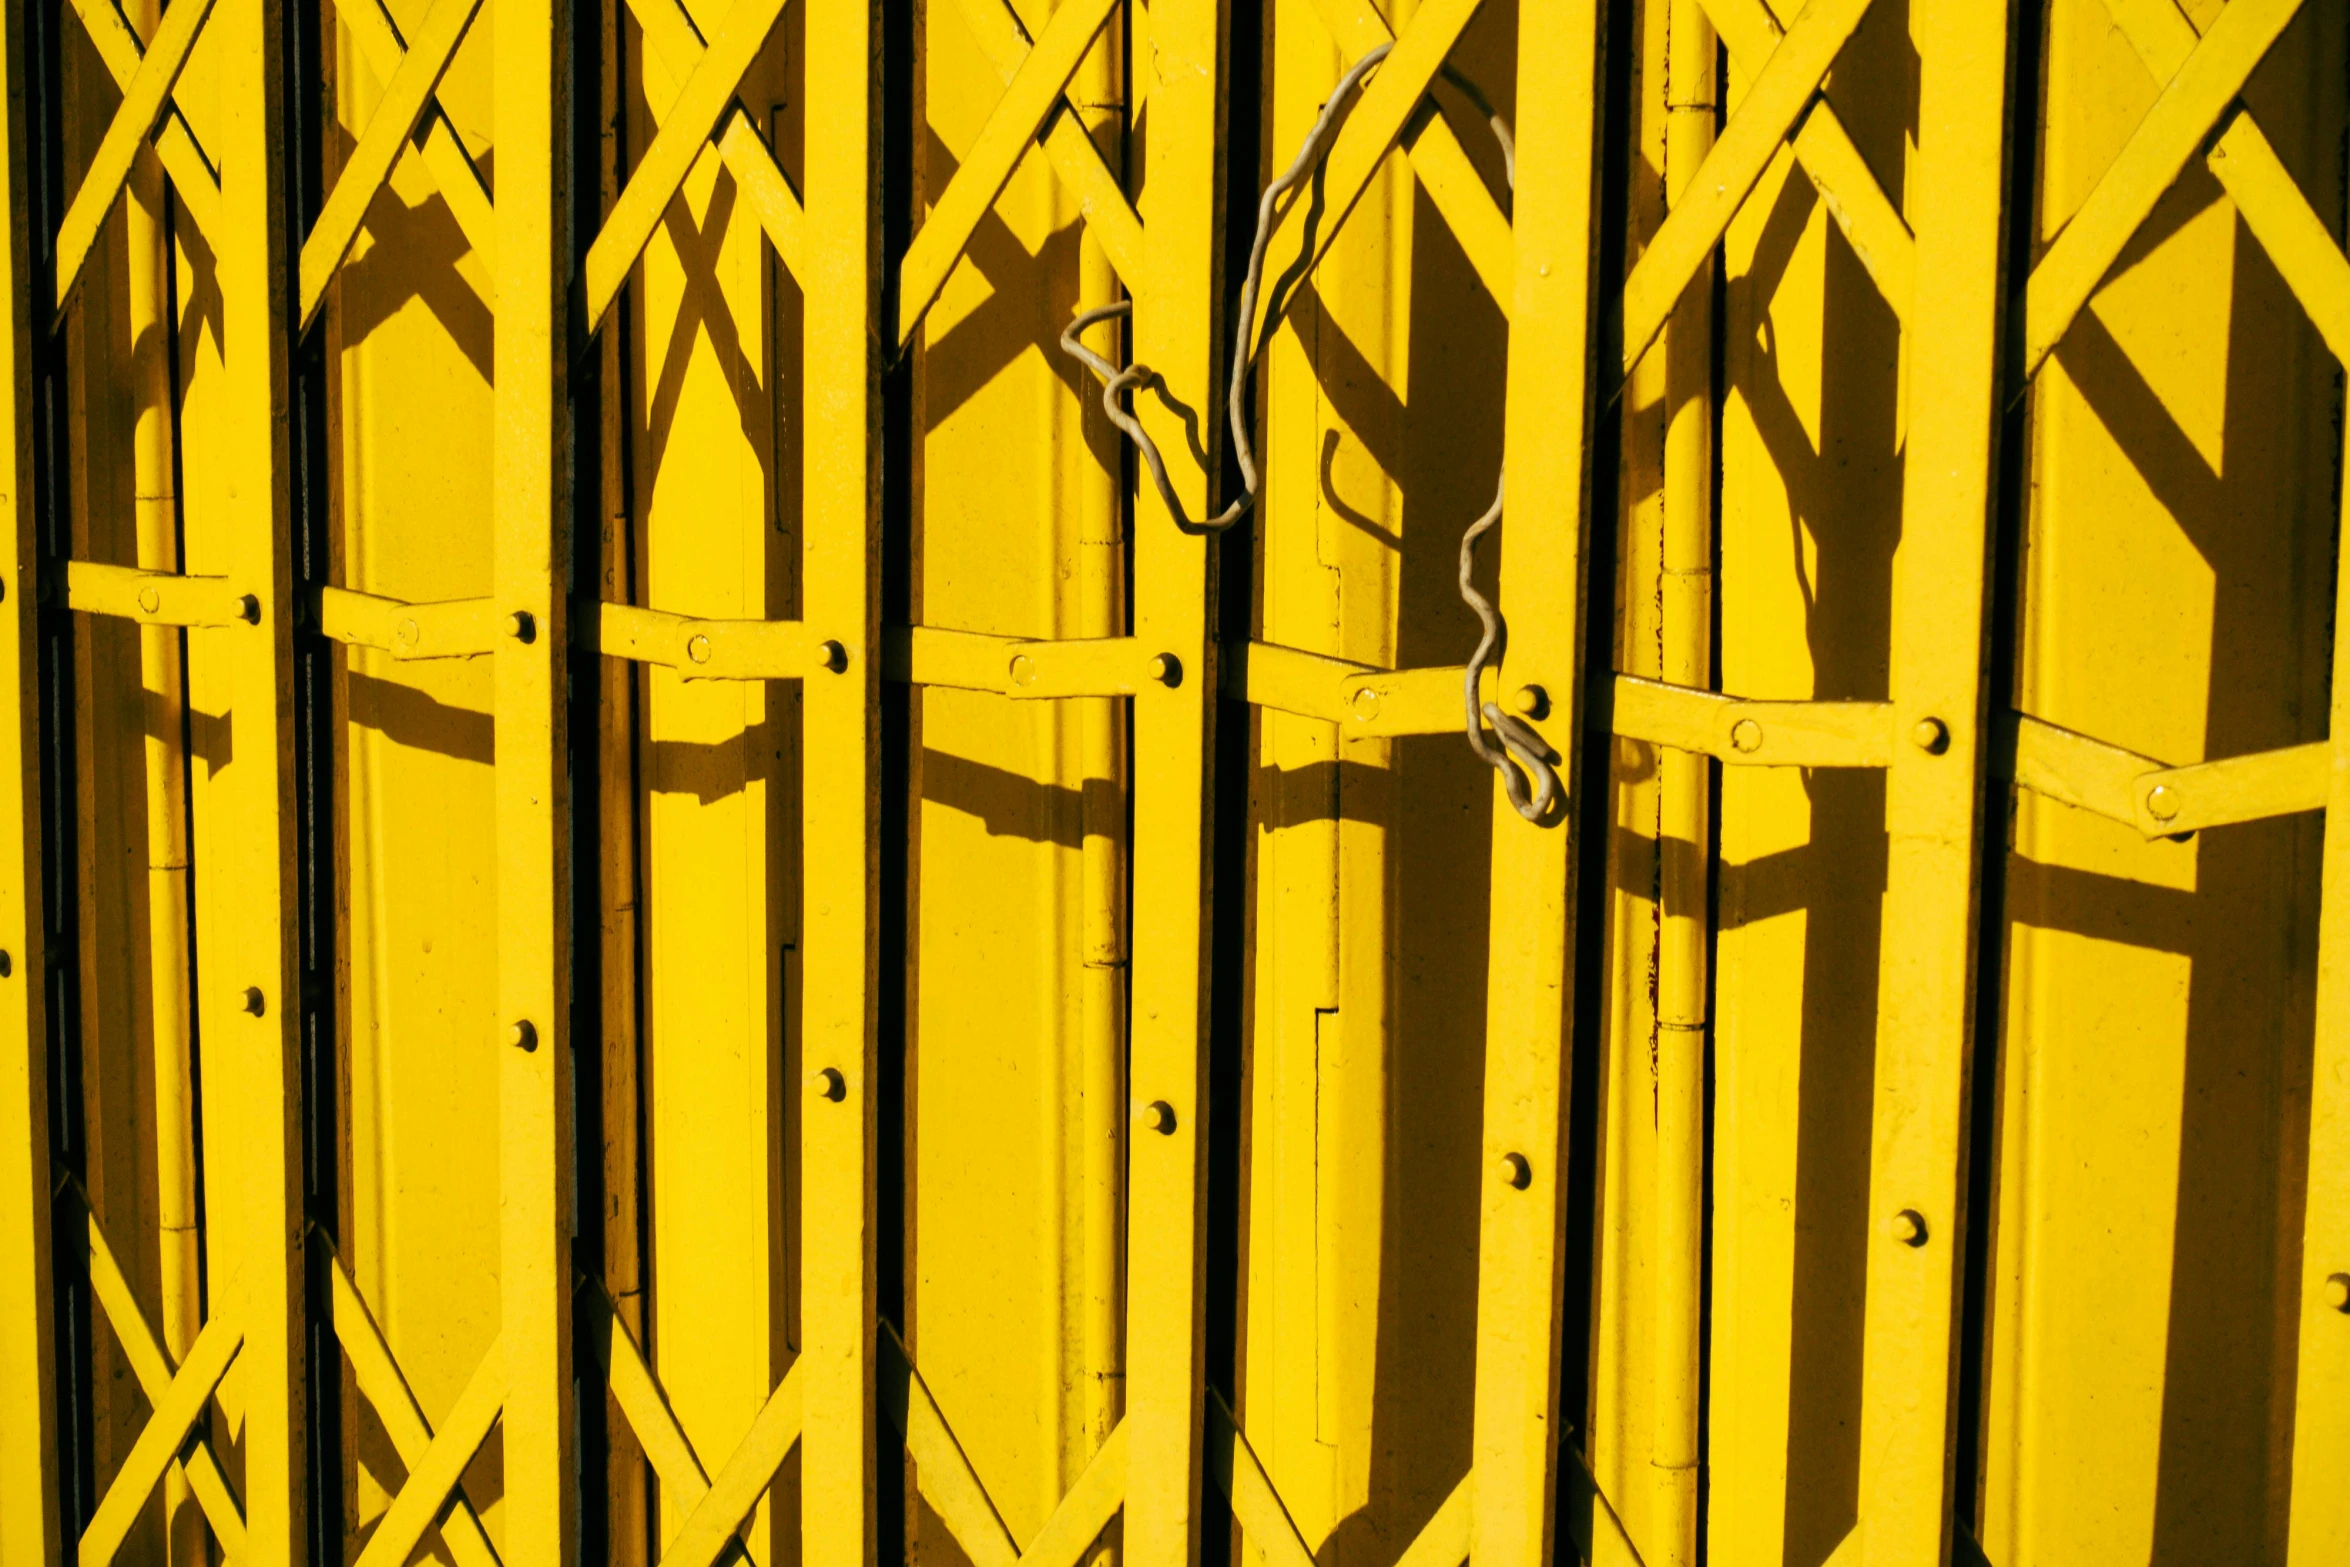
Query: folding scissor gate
pixel 709 873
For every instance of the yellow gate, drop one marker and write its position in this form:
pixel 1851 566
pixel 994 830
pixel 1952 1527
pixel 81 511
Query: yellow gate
pixel 793 787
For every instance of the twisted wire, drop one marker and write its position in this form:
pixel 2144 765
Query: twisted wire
pixel 1521 757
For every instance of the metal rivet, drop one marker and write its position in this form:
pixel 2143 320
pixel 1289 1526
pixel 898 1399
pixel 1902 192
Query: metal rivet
pixel 1746 735
pixel 1532 701
pixel 1159 1116
pixel 1515 1172
pixel 829 1084
pixel 524 1035
pixel 408 632
pixel 2162 802
pixel 255 1003
pixel 1366 703
pixel 1023 670
pixel 7 965
pixel 3 587
pixel 520 626
pixel 2337 1292
pixel 832 656
pixel 1166 669
pixel 248 609
pixel 1908 1227
pixel 1930 735
pixel 150 600
pixel 698 649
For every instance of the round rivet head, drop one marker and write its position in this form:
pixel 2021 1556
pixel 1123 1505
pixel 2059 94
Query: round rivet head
pixel 1365 704
pixel 1159 1116
pixel 832 656
pixel 2162 802
pixel 1908 1227
pixel 1930 735
pixel 150 600
pixel 698 649
pixel 1532 701
pixel 255 1002
pixel 1166 669
pixel 520 626
pixel 1746 736
pixel 2337 1292
pixel 1023 670
pixel 248 609
pixel 7 965
pixel 408 632
pixel 829 1084
pixel 1515 1172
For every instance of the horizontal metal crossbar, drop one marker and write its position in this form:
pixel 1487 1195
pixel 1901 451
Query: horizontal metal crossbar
pixel 156 598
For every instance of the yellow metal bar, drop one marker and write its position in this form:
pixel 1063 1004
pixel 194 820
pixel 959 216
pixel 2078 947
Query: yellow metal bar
pixel 157 598
pixel 1686 641
pixel 2192 102
pixel 379 1379
pixel 1004 32
pixel 153 1370
pixel 840 598
pixel 193 179
pixel 747 158
pixel 1933 793
pixel 531 1030
pixel 1390 102
pixel 1782 87
pixel 435 1473
pixel 941 1468
pixel 1834 165
pixel 1019 116
pixel 2248 167
pixel 258 1058
pixel 700 105
pixel 29 1524
pixel 1546 449
pixel 715 649
pixel 453 168
pixel 369 165
pixel 454 628
pixel 142 105
pixel 175 1413
pixel 1175 329
pixel 1256 1506
pixel 745 1478
pixel 1745 733
pixel 2318 1527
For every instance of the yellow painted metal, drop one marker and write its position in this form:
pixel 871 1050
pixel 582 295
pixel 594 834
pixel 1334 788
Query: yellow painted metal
pixel 1294 1213
pixel 1545 451
pixel 256 1258
pixel 529 1368
pixel 842 355
pixel 30 1526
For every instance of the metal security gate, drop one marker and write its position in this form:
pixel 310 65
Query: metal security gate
pixel 710 871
